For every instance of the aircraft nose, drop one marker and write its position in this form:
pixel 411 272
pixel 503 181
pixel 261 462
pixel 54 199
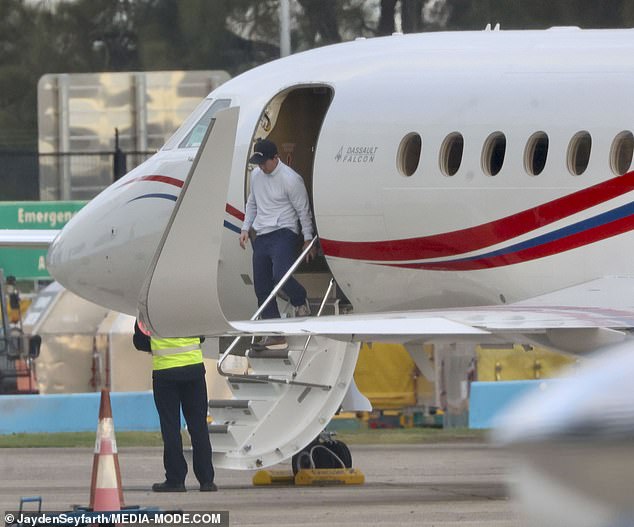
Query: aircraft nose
pixel 68 254
pixel 57 261
pixel 82 258
pixel 103 251
pixel 54 262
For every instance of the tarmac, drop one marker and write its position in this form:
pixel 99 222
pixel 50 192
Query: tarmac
pixel 442 485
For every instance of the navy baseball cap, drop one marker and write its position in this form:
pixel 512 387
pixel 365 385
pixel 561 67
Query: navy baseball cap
pixel 263 150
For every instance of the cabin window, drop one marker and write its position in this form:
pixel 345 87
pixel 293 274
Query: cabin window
pixel 408 155
pixel 579 153
pixel 451 154
pixel 621 153
pixel 493 153
pixel 536 153
pixel 195 137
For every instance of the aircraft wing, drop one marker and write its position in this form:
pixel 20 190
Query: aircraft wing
pixel 27 238
pixel 593 313
pixel 400 326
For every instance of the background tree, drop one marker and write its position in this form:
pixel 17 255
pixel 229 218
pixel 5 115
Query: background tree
pixel 537 14
pixel 412 16
pixel 18 84
pixel 69 36
pixel 386 24
pixel 203 34
pixel 322 21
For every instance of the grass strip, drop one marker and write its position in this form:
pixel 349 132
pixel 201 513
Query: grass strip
pixel 150 439
pixel 409 436
pixel 77 439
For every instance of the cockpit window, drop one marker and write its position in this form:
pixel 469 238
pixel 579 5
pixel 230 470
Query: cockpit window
pixel 197 133
pixel 192 118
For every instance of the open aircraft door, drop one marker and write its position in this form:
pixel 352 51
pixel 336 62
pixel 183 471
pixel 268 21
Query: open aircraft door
pixel 191 244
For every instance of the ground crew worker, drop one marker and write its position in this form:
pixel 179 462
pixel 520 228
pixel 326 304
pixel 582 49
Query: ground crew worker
pixel 178 381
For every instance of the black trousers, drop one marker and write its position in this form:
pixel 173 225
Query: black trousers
pixel 273 254
pixel 176 388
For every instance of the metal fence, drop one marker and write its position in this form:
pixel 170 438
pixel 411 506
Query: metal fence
pixel 70 176
pixel 19 176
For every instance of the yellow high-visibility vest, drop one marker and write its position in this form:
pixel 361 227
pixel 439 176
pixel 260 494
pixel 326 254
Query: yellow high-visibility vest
pixel 175 352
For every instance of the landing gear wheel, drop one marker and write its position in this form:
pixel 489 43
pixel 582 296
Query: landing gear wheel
pixel 322 453
pixel 342 451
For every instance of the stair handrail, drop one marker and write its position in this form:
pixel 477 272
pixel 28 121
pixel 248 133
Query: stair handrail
pixel 319 312
pixel 272 295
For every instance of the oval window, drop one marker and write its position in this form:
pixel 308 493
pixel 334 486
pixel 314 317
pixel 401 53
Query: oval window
pixel 536 153
pixel 621 153
pixel 451 154
pixel 493 153
pixel 408 155
pixel 579 153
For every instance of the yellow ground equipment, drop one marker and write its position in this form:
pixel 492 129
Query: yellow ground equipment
pixel 310 476
pixel 273 477
pixel 516 362
pixel 329 476
pixel 325 461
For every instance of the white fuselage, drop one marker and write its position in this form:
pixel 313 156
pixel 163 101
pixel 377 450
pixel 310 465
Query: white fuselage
pixel 396 231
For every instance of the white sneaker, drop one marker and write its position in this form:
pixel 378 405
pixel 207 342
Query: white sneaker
pixel 303 310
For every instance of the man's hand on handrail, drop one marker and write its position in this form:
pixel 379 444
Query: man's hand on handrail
pixel 313 250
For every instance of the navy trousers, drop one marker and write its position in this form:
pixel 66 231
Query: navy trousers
pixel 183 387
pixel 273 255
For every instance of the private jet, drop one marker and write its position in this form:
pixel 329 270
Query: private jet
pixel 465 186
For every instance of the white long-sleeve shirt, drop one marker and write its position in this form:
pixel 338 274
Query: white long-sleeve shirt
pixel 276 201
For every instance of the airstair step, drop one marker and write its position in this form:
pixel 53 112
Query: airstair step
pixel 228 403
pixel 232 411
pixel 218 429
pixel 331 307
pixel 268 354
pixel 242 380
pixel 277 362
pixel 242 351
pixel 228 437
pixel 253 388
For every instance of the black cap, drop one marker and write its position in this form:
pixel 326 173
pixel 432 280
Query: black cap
pixel 263 150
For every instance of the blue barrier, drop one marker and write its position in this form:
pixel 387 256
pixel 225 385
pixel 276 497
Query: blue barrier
pixel 135 411
pixel 77 412
pixel 489 399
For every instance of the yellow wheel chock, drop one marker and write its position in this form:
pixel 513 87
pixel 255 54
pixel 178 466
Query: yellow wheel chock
pixel 329 476
pixel 273 477
pixel 310 476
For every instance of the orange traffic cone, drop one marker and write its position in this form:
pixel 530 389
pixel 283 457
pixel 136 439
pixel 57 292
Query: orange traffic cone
pixel 106 493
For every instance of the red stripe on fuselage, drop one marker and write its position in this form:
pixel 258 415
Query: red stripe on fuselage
pixel 474 238
pixel 161 179
pixel 547 249
pixel 234 212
